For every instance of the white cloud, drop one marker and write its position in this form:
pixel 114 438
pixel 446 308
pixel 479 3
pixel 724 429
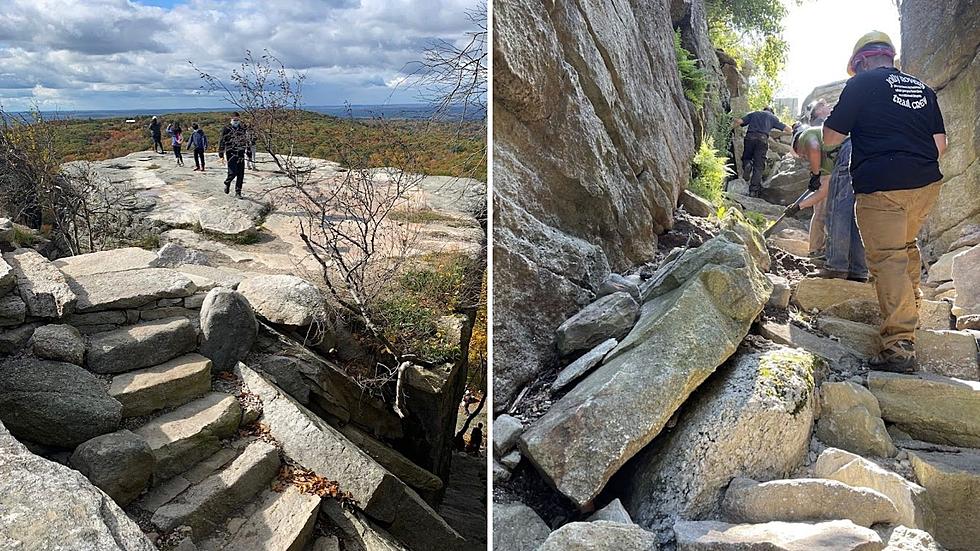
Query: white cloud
pixel 118 53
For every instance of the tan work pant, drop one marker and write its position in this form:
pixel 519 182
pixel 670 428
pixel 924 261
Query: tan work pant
pixel 889 222
pixel 818 227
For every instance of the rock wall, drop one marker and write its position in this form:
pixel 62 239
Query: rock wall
pixel 941 45
pixel 592 145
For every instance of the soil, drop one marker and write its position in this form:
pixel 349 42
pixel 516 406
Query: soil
pixel 526 486
pixel 792 267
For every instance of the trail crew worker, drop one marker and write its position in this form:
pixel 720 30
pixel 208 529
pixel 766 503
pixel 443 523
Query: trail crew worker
pixel 808 144
pixel 756 145
pixel 234 142
pixel 897 137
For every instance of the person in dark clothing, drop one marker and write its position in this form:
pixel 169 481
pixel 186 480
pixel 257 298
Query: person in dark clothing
pixel 756 145
pixel 476 439
pixel 199 143
pixel 157 136
pixel 177 140
pixel 235 140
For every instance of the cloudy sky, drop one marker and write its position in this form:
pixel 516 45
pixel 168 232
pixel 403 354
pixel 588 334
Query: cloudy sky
pixel 133 54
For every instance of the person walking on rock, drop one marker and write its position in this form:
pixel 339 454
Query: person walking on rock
pixel 177 140
pixel 157 136
pixel 897 136
pixel 756 145
pixel 199 143
pixel 234 142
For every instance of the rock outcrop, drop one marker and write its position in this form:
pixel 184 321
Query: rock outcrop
pixel 597 84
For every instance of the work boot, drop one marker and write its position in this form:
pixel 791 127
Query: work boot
pixel 858 278
pixel 897 358
pixel 238 193
pixel 826 273
pixel 227 188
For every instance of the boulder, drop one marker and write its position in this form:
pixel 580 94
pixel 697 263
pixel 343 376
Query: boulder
pixel 100 262
pixel 613 512
pixel 966 279
pixel 12 310
pixel 929 407
pixel 695 204
pixel 781 291
pixel 820 294
pixel 54 403
pixel 6 231
pixel 633 142
pixel 857 310
pixel 788 182
pixel 316 445
pixel 909 498
pixel 516 527
pixel 903 538
pixel 49 506
pixel 143 345
pixel 225 220
pixel 851 419
pixel 228 328
pixel 43 287
pixel 506 431
pixel 647 377
pixel 738 186
pixel 610 317
pixel 795 247
pixel 119 463
pixel 834 535
pixel 806 499
pixel 61 343
pixel 935 315
pixel 583 364
pixel 15 339
pixel 511 460
pixel 602 534
pixel 968 321
pixel 753 419
pixel 129 289
pixel 746 234
pixel 952 481
pixel 726 249
pixel 948 353
pixel 942 270
pixel 616 283
pixel 284 299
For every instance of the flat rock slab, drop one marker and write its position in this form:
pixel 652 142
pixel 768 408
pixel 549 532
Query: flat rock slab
pixel 355 531
pixel 129 289
pixel 318 446
pixel 281 522
pixel 909 498
pixel 49 506
pixel 796 336
pixel 190 433
pixel 820 294
pixel 621 406
pixel 752 419
pixel 859 337
pixel 583 364
pixel 602 534
pixel 55 403
pixel 44 289
pixel 929 407
pixel 169 384
pixel 221 493
pixel 229 218
pixel 836 535
pixel 207 277
pixel 966 278
pixel 942 269
pixel 116 260
pixel 427 485
pixel 851 419
pixel 610 317
pixel 137 346
pixel 948 353
pixel 952 481
pixel 284 299
pixel 806 500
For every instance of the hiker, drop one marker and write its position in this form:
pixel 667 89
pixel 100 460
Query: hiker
pixel 476 439
pixel 756 144
pixel 157 136
pixel 199 143
pixel 817 112
pixel 234 142
pixel 177 140
pixel 897 137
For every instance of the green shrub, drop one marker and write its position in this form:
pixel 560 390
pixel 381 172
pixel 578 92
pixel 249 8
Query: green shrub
pixel 708 172
pixel 693 81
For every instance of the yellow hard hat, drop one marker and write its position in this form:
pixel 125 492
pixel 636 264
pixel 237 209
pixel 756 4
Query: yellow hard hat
pixel 873 37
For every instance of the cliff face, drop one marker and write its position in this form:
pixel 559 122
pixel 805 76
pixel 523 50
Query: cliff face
pixel 941 45
pixel 592 145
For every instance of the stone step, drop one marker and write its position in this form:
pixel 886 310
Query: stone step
pixel 952 483
pixel 142 345
pixel 273 522
pixel 170 384
pixel 190 433
pixel 159 496
pixel 204 506
pixel 128 289
pixel 929 407
pixel 835 535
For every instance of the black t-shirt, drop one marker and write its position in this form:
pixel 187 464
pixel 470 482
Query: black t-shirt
pixel 891 117
pixel 762 122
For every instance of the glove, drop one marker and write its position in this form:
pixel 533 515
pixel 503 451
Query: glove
pixel 814 184
pixel 792 209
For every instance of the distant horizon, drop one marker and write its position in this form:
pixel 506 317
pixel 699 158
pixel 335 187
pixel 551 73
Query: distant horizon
pixel 356 110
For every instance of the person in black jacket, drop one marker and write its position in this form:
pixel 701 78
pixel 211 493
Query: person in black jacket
pixel 199 143
pixel 234 142
pixel 157 136
pixel 756 144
